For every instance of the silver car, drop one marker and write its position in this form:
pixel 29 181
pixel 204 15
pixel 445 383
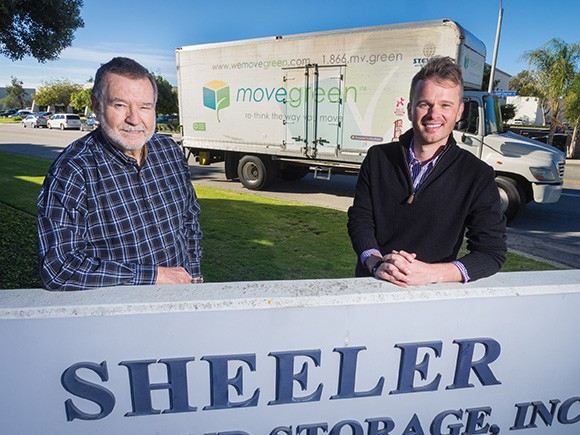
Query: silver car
pixel 34 120
pixel 90 124
pixel 65 120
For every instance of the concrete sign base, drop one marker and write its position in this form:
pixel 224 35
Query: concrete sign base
pixel 353 356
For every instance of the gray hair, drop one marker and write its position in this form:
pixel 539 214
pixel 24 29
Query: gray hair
pixel 124 67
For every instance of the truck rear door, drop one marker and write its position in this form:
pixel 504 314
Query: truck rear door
pixel 314 110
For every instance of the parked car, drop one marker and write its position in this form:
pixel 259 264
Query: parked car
pixel 89 124
pixel 21 113
pixel 167 119
pixel 7 113
pixel 34 120
pixel 64 121
pixel 560 141
pixel 47 115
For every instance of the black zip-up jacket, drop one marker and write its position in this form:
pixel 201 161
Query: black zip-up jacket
pixel 459 198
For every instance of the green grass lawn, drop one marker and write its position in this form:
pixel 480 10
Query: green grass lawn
pixel 20 180
pixel 246 237
pixel 18 263
pixel 15 120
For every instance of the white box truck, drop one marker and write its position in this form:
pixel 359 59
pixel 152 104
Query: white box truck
pixel 280 106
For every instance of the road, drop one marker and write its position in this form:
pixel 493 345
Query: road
pixel 550 232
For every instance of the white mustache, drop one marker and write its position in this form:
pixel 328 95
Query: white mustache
pixel 131 128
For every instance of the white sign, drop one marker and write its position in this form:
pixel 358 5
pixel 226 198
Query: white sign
pixel 343 357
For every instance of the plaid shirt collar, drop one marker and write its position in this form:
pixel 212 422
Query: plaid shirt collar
pixel 419 172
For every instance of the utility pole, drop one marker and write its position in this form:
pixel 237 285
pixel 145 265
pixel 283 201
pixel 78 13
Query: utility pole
pixel 495 48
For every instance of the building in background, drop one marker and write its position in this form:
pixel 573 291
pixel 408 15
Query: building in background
pixel 528 111
pixel 502 79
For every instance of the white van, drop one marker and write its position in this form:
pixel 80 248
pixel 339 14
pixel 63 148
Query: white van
pixel 64 121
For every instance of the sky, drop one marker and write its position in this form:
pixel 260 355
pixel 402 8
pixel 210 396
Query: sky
pixel 150 31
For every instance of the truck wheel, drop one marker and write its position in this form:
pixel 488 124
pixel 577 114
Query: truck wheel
pixel 512 198
pixel 294 172
pixel 256 172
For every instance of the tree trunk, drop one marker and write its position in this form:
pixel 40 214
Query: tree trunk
pixel 574 142
pixel 552 130
pixel 554 121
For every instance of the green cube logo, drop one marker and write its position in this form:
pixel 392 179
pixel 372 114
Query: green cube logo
pixel 216 96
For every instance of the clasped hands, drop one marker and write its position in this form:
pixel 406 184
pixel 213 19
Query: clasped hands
pixel 403 269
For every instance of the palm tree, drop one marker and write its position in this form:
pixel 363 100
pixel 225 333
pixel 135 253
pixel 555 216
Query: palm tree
pixel 572 112
pixel 554 67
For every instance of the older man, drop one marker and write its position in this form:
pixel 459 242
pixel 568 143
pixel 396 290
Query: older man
pixel 416 198
pixel 117 207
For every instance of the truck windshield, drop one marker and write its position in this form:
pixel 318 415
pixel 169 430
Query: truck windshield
pixel 493 121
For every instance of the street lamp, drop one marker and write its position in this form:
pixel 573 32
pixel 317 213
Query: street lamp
pixel 495 47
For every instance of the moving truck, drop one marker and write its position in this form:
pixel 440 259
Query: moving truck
pixel 281 106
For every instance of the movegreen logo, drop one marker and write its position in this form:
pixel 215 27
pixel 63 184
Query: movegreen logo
pixel 216 96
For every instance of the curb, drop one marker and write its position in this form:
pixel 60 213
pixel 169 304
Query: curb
pixel 543 260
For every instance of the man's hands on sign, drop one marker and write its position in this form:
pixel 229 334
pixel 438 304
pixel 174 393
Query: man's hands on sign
pixel 172 275
pixel 403 269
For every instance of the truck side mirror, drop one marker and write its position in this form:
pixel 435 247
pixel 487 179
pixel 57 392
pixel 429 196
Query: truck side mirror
pixel 461 125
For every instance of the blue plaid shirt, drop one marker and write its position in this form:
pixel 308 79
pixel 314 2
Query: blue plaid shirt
pixel 103 221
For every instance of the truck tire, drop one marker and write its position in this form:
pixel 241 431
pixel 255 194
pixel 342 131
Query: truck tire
pixel 256 172
pixel 511 195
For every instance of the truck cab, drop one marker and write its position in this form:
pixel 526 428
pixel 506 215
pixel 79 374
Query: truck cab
pixel 526 170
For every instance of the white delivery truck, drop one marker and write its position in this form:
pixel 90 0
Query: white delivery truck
pixel 280 106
